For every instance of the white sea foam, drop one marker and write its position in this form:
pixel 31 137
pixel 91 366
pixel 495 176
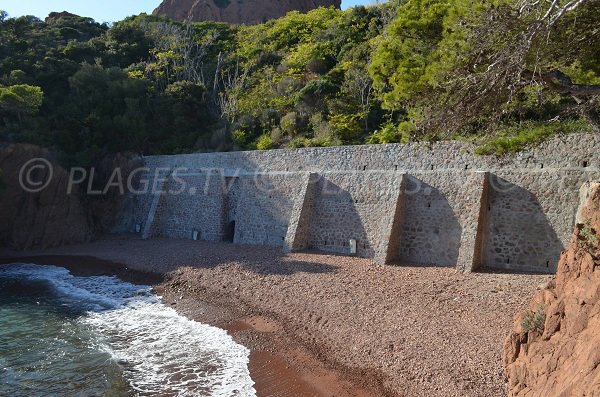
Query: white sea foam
pixel 161 352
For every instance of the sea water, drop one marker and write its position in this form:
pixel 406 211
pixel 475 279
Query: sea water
pixel 62 335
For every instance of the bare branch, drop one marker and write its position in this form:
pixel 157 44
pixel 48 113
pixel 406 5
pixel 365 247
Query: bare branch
pixel 570 6
pixel 559 82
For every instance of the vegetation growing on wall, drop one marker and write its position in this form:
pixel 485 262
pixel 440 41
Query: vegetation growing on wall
pixel 501 72
pixel 533 321
pixel 587 238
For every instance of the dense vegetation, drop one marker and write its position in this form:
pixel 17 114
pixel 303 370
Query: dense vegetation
pixel 504 73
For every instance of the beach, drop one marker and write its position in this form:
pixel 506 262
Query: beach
pixel 326 325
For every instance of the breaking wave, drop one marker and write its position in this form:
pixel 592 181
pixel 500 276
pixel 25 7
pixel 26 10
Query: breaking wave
pixel 156 350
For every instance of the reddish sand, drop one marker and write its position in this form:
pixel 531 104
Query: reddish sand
pixel 323 325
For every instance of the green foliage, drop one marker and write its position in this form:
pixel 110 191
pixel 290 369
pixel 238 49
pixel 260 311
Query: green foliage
pixel 297 69
pixel 241 139
pixel 588 238
pixel 394 72
pixel 466 65
pixel 391 133
pixel 264 142
pixel 516 138
pixel 289 124
pixel 20 99
pixel 533 321
pixel 346 126
pixel 315 91
pixel 19 106
pixel 299 142
pixel 405 58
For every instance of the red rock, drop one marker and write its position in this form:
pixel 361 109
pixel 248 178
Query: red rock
pixel 565 361
pixel 237 11
pixel 42 219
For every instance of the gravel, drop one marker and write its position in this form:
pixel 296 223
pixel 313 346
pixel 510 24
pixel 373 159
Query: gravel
pixel 424 330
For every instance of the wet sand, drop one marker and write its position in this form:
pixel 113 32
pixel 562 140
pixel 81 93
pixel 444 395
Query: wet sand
pixel 324 325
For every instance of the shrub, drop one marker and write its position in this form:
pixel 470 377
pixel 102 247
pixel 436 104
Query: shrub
pixel 515 138
pixel 315 91
pixel 299 142
pixel 240 138
pixel 324 141
pixel 346 127
pixel 264 142
pixel 534 320
pixel 276 135
pixel 587 237
pixel 289 124
pixel 322 132
pixel 390 133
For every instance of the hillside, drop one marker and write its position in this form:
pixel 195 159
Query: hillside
pixel 505 76
pixel 244 11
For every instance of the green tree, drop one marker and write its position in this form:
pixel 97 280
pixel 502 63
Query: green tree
pixel 391 72
pixel 407 56
pixel 21 99
pixel 107 112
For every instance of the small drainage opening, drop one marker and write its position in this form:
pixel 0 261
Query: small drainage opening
pixel 395 168
pixel 364 167
pixel 584 164
pixel 541 165
pixel 507 260
pixel 431 167
pixel 547 263
pixel 229 234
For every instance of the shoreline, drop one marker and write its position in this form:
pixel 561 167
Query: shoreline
pixel 344 326
pixel 278 366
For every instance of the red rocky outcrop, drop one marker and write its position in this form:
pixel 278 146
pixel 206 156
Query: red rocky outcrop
pixel 237 11
pixel 43 219
pixel 561 357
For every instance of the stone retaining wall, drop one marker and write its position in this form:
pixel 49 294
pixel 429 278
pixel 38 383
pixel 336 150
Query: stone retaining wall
pixel 430 204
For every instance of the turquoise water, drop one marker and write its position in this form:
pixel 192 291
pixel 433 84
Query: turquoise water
pixel 62 335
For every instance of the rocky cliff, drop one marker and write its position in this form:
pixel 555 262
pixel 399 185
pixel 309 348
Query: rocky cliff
pixel 47 218
pixel 237 11
pixel 554 348
pixel 34 214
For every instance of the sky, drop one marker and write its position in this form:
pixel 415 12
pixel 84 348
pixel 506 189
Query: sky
pixel 101 11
